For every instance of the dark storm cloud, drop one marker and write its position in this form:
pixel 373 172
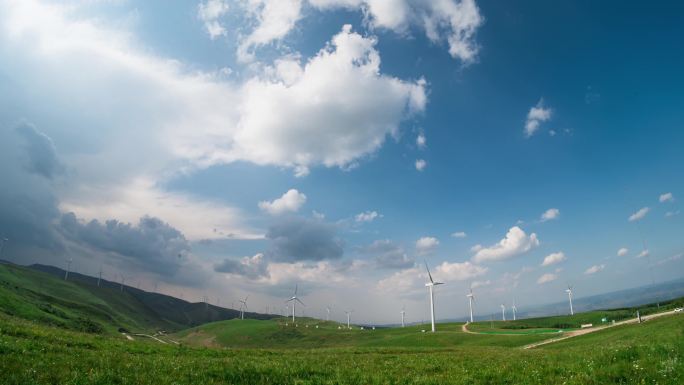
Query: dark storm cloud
pixel 28 205
pixel 39 233
pixel 150 244
pixel 303 239
pixel 387 255
pixel 249 267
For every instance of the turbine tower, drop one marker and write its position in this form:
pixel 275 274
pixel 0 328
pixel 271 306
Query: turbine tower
pixel 294 301
pixel 430 286
pixel 403 315
pixel 471 298
pixel 503 312
pixel 2 244
pixel 348 313
pixel 99 277
pixel 243 307
pixel 327 317
pixel 569 291
pixel 515 310
pixel 68 266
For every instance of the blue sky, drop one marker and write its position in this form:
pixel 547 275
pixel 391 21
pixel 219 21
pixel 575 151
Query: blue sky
pixel 234 147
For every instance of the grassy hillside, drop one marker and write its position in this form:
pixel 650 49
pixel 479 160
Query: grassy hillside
pixel 274 334
pixel 652 352
pixel 41 294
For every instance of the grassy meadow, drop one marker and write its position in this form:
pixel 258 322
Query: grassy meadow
pixel 48 345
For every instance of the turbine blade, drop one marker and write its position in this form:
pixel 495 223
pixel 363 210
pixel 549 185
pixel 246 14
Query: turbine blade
pixel 300 301
pixel 428 271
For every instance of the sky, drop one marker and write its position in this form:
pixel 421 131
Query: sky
pixel 241 147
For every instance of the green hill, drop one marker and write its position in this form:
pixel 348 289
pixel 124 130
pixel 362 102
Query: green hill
pixel 648 353
pixel 39 293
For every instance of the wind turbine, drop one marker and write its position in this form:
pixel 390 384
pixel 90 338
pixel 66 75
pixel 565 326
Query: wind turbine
pixel 430 285
pixel 569 291
pixel 2 244
pixel 515 309
pixel 294 301
pixel 503 312
pixel 403 315
pixel 348 313
pixel 327 317
pixel 471 298
pixel 66 274
pixel 123 279
pixel 243 307
pixel 99 277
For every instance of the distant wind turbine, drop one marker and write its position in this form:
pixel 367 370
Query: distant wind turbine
pixel 430 286
pixel 243 307
pixel 348 313
pixel 294 301
pixel 327 317
pixel 99 277
pixel 515 310
pixel 403 315
pixel 503 312
pixel 471 298
pixel 569 291
pixel 2 244
pixel 68 266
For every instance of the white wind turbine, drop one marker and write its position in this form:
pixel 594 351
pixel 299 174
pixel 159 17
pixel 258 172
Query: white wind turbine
pixel 503 312
pixel 403 315
pixel 294 301
pixel 348 313
pixel 327 309
pixel 243 307
pixel 569 291
pixel 515 310
pixel 99 277
pixel 471 298
pixel 430 285
pixel 68 266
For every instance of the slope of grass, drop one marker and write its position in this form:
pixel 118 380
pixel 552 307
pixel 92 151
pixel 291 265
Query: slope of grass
pixel 651 353
pixel 79 304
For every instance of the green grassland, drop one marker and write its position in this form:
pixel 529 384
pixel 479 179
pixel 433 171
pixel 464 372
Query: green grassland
pixel 57 332
pixel 652 352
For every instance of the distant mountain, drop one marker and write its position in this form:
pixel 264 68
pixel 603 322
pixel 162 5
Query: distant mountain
pixel 613 300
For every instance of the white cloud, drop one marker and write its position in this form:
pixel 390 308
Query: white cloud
pixel 291 201
pixel 196 219
pixel 367 216
pixel 426 245
pixel 671 213
pixel 515 243
pixel 643 253
pixel 622 252
pixel 548 277
pixel 209 12
pixel 451 21
pixel 459 271
pixel 554 258
pixel 550 214
pixel 333 110
pixel 421 164
pixel 275 19
pixel 594 269
pixel 477 284
pixel 404 281
pixel 459 234
pixel 639 214
pixel 421 141
pixel 537 115
pixel 667 197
